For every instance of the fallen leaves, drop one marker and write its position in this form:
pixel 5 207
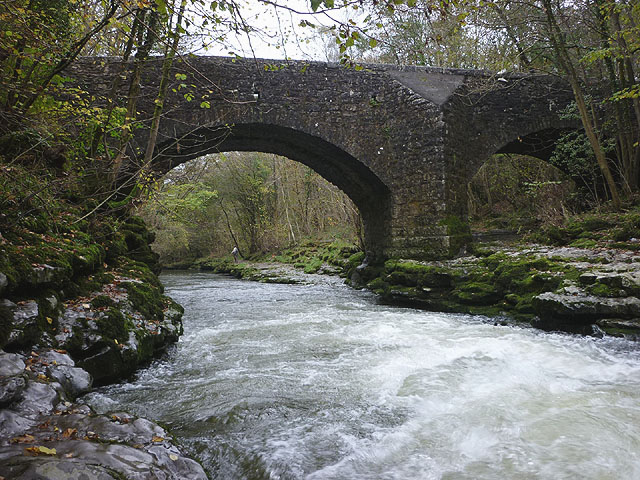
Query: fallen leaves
pixel 173 457
pixel 39 450
pixel 23 439
pixel 157 439
pixel 70 433
pixel 118 419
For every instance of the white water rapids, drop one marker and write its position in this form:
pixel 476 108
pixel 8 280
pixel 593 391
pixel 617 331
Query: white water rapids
pixel 321 382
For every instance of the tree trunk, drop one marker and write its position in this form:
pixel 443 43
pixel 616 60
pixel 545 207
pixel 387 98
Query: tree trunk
pixel 564 59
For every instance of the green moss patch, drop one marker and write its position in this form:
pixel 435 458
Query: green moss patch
pixel 114 325
pixel 146 299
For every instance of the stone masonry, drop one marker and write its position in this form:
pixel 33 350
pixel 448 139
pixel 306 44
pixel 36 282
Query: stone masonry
pixel 401 142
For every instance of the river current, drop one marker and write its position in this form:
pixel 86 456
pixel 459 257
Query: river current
pixel 321 382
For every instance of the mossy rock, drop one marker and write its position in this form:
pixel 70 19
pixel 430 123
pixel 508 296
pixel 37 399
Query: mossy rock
pixel 459 233
pixel 600 289
pixel 114 325
pixel 145 346
pixel 115 246
pixel 102 301
pixel 313 266
pixel 477 293
pixel 584 243
pixel 378 286
pixel 146 299
pixel 6 324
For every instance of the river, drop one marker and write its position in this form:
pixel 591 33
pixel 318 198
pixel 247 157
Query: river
pixel 321 382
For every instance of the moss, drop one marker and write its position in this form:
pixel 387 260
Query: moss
pixel 584 243
pixel 145 346
pixel 313 266
pixel 459 233
pixel 146 299
pixel 378 285
pixel 554 235
pixel 138 270
pixel 113 325
pixel 477 293
pixel 356 259
pixel 595 223
pixel 102 301
pixel 16 266
pixel 115 246
pixel 602 290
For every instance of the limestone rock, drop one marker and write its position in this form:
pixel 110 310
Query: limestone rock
pixel 38 398
pixel 74 381
pixel 3 282
pixel 11 364
pixel 582 309
pixel 11 390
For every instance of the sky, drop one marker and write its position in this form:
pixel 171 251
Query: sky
pixel 277 32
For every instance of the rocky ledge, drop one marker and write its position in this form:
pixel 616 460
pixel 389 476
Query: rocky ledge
pixel 109 332
pixel 46 434
pixel 579 290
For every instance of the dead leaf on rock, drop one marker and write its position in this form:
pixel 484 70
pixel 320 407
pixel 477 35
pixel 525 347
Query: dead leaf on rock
pixel 70 432
pixel 23 439
pixel 157 439
pixel 39 450
pixel 68 455
pixel 173 457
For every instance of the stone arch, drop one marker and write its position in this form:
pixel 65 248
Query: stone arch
pixel 354 178
pixel 536 139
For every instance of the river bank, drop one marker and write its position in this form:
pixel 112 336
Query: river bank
pixel 591 291
pixel 80 305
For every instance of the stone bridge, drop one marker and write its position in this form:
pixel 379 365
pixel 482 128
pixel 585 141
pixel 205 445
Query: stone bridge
pixel 401 142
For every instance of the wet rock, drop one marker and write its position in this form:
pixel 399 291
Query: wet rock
pixel 619 327
pixel 13 424
pixel 124 446
pixel 25 325
pixel 11 390
pixel 105 365
pixel 42 469
pixel 43 274
pixel 51 302
pixel 81 444
pixel 75 381
pixel 38 398
pixel 56 358
pixel 582 309
pixel 11 364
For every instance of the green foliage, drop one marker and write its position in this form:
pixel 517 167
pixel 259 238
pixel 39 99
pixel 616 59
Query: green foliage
pixel 573 154
pixel 518 192
pixel 264 202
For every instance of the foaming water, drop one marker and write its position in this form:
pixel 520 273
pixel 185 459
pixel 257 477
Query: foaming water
pixel 320 382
